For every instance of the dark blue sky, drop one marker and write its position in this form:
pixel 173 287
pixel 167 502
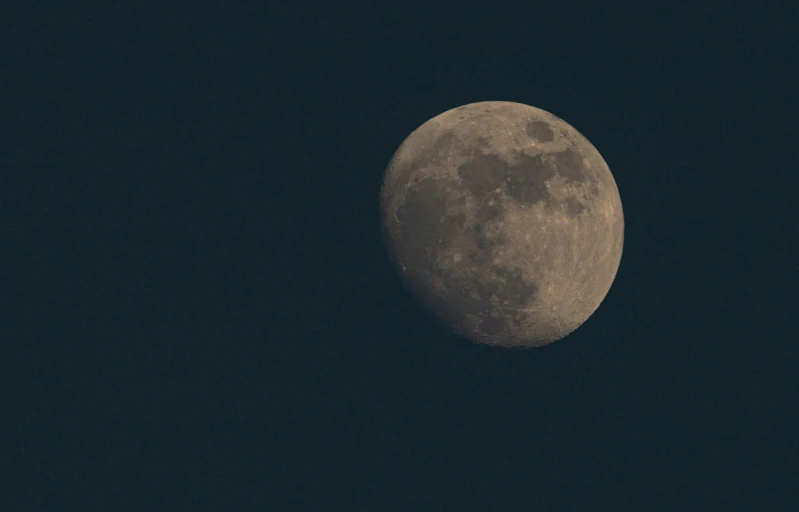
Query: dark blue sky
pixel 203 316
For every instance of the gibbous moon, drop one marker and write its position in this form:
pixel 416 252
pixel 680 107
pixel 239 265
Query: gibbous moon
pixel 504 222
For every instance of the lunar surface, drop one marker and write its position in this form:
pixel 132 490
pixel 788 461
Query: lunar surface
pixel 504 221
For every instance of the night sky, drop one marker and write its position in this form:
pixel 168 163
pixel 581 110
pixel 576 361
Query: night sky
pixel 199 312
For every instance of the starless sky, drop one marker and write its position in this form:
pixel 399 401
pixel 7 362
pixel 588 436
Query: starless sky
pixel 202 314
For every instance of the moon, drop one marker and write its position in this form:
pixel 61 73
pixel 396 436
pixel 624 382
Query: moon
pixel 504 221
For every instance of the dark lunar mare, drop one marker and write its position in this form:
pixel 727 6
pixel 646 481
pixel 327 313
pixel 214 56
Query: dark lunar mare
pixel 525 181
